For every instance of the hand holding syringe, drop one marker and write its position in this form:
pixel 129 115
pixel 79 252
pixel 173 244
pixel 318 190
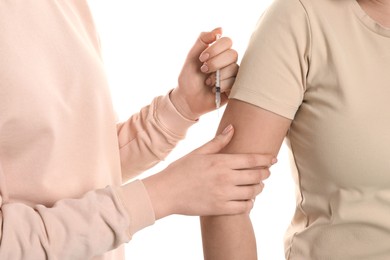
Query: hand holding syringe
pixel 202 89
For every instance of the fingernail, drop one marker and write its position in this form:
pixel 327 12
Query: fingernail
pixel 204 57
pixel 274 160
pixel 208 82
pixel 227 129
pixel 204 68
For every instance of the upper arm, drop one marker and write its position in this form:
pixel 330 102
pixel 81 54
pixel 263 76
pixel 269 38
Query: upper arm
pixel 271 82
pixel 256 130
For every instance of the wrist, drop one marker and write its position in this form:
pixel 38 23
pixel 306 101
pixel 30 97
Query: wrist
pixel 159 190
pixel 182 105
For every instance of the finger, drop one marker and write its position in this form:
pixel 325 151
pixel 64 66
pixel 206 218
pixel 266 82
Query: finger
pixel 217 143
pixel 250 177
pixel 264 174
pixel 247 192
pixel 225 85
pixel 203 41
pixel 220 61
pixel 208 38
pixel 227 72
pixel 238 207
pixel 221 45
pixel 246 161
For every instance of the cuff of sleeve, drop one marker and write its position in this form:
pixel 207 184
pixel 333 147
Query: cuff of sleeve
pixel 170 118
pixel 137 204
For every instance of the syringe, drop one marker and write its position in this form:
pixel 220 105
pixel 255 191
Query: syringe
pixel 218 84
pixel 217 89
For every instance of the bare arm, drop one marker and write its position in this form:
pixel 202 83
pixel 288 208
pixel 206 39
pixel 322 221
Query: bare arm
pixel 256 131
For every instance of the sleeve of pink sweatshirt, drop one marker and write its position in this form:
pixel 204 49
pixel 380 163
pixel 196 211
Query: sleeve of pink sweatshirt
pixel 150 135
pixel 102 219
pixel 74 229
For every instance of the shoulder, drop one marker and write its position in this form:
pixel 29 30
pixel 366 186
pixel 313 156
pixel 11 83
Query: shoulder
pixel 284 16
pixel 288 6
pixel 286 10
pixel 308 7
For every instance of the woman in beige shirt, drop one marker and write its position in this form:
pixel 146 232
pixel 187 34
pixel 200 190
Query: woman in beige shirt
pixel 317 73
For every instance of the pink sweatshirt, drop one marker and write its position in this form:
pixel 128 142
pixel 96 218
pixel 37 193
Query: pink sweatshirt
pixel 63 158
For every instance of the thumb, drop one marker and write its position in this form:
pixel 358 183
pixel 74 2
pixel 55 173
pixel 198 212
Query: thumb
pixel 204 40
pixel 217 143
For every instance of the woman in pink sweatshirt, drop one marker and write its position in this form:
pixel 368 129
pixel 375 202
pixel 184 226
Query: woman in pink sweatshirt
pixel 65 162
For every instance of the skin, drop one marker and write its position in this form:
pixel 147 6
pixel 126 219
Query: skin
pixel 379 10
pixel 207 182
pixel 232 237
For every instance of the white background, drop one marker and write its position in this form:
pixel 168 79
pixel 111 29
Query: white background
pixel 144 46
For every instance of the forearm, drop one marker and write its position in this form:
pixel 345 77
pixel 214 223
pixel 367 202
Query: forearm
pixel 73 229
pixel 228 238
pixel 149 136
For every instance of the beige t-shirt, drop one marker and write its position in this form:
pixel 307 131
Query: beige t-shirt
pixel 326 65
pixel 63 157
